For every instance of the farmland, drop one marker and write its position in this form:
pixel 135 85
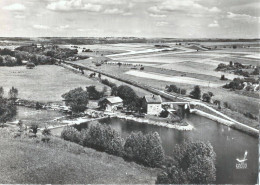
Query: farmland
pixel 185 65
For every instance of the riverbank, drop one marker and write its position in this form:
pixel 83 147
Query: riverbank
pixel 240 127
pixel 187 127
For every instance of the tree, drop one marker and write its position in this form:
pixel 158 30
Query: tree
pixel 146 149
pixel 230 63
pixel 18 59
pixel 119 64
pixel 223 77
pixel 13 93
pixel 196 93
pixel 206 97
pixel 77 99
pixel 99 75
pixel 46 132
pixel 164 113
pixel 34 128
pixel 194 163
pixel 114 91
pixel 172 175
pixel 7 110
pixel 1 92
pixel 127 94
pixel 1 61
pixel 93 93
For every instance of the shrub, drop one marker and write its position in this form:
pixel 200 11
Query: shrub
pixel 223 77
pixel 70 134
pixel 7 110
pixel 13 93
pixel 196 93
pixel 172 175
pixel 145 149
pixel 211 94
pixel 77 99
pixel 206 97
pixel 226 105
pixel 195 163
pixel 103 138
pixel 183 91
pixel 34 128
pixel 46 132
pixel 164 114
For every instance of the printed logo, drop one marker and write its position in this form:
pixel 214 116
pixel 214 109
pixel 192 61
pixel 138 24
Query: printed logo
pixel 242 162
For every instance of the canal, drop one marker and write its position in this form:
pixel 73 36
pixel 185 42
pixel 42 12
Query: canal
pixel 229 144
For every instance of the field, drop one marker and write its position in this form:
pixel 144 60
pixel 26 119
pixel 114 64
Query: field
pixel 45 83
pixel 31 161
pixel 41 118
pixel 186 67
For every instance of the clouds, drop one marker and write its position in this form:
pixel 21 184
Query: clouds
pixel 162 23
pixel 73 5
pixel 165 18
pixel 214 24
pixel 183 6
pixel 41 27
pixel 243 17
pixel 15 7
pixel 100 6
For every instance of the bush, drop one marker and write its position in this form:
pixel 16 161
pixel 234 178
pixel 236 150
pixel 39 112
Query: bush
pixel 183 91
pixel 34 128
pixel 164 114
pixel 223 77
pixel 206 97
pixel 145 149
pixel 77 99
pixel 196 93
pixel 46 132
pixel 195 163
pixel 70 134
pixel 7 110
pixel 103 138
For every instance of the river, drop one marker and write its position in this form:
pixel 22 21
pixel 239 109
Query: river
pixel 229 144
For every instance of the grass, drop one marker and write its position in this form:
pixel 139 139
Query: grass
pixel 45 83
pixel 32 161
pixel 42 118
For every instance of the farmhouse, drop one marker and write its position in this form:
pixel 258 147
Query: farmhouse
pixel 111 103
pixel 153 104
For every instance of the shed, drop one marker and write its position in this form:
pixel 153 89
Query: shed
pixel 111 103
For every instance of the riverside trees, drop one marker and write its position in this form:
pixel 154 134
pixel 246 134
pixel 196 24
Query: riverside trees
pixel 77 99
pixel 7 108
pixel 194 162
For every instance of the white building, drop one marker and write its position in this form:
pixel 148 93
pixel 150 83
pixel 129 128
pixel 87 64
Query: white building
pixel 111 104
pixel 153 104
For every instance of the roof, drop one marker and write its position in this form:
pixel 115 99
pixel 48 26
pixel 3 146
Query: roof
pixel 112 99
pixel 153 99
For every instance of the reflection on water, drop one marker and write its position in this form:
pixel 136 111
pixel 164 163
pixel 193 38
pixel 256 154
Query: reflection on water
pixel 229 144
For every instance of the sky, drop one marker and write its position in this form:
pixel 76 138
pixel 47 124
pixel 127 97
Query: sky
pixel 130 18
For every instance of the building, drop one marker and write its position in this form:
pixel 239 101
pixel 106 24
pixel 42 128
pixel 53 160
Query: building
pixel 111 103
pixel 153 104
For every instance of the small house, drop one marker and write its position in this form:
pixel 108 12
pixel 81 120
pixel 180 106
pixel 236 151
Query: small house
pixel 111 103
pixel 152 104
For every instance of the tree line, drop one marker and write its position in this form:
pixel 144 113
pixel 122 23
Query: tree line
pixel 191 162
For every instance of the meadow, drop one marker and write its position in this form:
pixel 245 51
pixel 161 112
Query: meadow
pixel 27 160
pixel 45 83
